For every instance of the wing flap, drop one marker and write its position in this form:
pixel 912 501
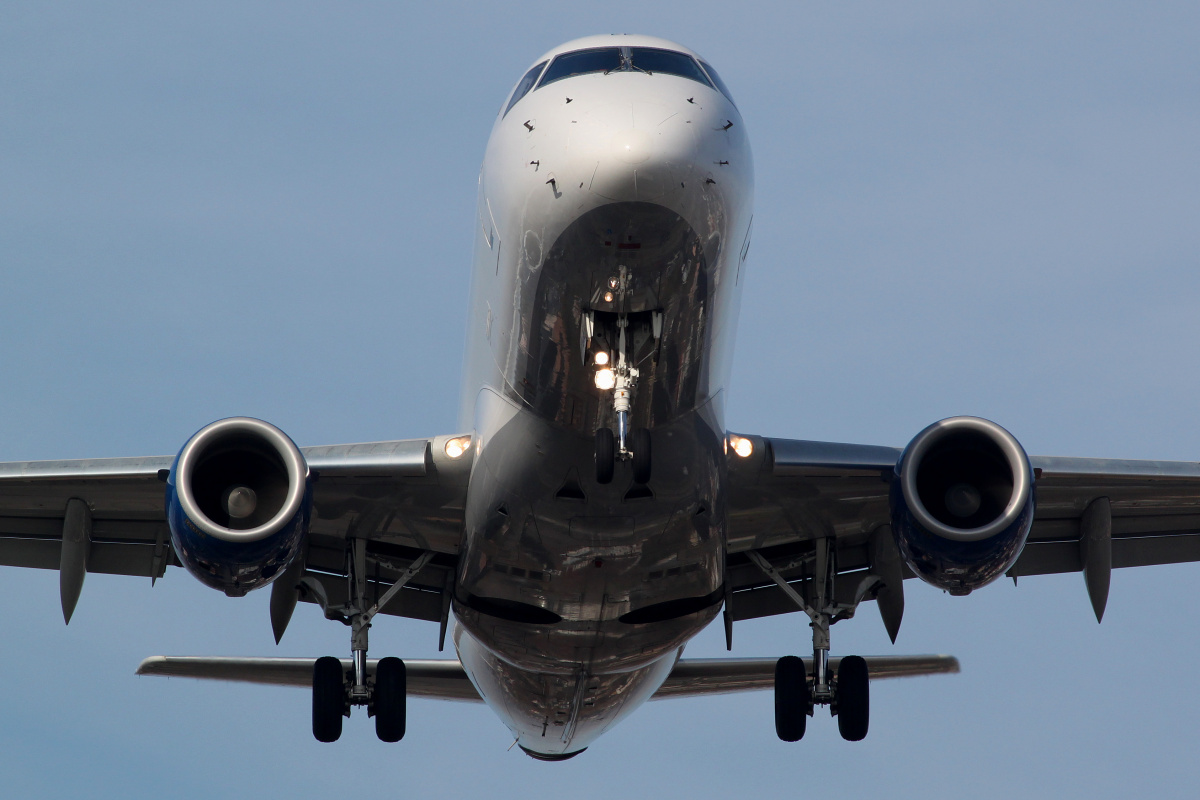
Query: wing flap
pixel 147 559
pixel 1048 558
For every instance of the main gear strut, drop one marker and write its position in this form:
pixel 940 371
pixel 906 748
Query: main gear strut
pixel 335 690
pixel 795 694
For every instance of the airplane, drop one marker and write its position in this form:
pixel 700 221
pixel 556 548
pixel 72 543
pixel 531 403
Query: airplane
pixel 592 513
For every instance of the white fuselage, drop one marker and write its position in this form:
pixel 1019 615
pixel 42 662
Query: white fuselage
pixel 606 201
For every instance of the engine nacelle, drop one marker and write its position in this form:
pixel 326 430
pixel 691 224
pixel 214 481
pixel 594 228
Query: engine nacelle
pixel 962 503
pixel 238 503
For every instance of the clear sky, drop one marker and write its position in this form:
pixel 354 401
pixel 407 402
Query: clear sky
pixel 267 209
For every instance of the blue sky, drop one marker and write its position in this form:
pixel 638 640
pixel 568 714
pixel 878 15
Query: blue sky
pixel 266 209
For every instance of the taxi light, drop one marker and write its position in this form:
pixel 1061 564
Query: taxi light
pixel 608 297
pixel 605 379
pixel 601 358
pixel 742 446
pixel 457 446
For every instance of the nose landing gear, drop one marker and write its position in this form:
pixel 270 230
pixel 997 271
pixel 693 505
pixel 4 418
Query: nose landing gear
pixel 641 455
pixel 637 452
pixel 627 445
pixel 605 455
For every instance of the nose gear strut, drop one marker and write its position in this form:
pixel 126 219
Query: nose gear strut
pixel 618 374
pixel 623 391
pixel 628 444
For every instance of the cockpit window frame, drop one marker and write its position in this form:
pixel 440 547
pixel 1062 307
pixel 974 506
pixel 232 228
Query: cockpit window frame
pixel 525 85
pixel 627 63
pixel 700 75
pixel 621 61
pixel 716 81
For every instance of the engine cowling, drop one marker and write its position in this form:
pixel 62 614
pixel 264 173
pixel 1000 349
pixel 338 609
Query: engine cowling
pixel 962 503
pixel 239 498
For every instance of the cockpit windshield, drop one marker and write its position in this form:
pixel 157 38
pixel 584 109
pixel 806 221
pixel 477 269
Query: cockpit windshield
pixel 654 59
pixel 583 62
pixel 721 87
pixel 525 85
pixel 648 60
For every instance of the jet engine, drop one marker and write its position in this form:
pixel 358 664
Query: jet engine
pixel 962 503
pixel 239 498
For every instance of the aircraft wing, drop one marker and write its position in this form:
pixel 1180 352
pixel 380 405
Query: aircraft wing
pixel 694 677
pixel 404 497
pixel 447 680
pixel 440 679
pixel 789 493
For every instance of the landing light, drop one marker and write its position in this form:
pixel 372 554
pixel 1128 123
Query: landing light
pixel 742 446
pixel 601 358
pixel 457 446
pixel 605 379
pixel 608 297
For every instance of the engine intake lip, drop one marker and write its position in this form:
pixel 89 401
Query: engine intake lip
pixel 213 435
pixel 937 433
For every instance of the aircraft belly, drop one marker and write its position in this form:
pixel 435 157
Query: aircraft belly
pixel 557 713
pixel 560 571
pixel 619 215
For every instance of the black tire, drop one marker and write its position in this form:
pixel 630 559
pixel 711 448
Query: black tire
pixel 389 701
pixel 792 698
pixel 606 455
pixel 853 698
pixel 329 699
pixel 641 455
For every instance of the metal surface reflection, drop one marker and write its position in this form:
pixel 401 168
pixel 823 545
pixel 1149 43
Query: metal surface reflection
pixel 603 283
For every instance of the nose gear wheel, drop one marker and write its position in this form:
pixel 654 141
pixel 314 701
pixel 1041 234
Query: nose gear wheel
pixel 641 455
pixel 605 455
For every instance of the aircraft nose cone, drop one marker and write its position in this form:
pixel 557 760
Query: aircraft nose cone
pixel 632 146
pixel 642 161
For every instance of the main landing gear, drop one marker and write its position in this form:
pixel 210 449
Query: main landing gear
pixel 334 694
pixel 336 688
pixel 797 693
